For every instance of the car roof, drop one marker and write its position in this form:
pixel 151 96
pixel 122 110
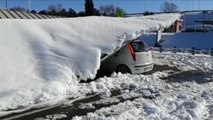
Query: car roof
pixel 137 40
pixel 105 56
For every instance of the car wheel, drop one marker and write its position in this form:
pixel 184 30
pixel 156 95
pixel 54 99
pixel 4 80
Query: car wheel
pixel 123 69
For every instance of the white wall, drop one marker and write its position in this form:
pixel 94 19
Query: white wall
pixel 197 40
pixel 190 17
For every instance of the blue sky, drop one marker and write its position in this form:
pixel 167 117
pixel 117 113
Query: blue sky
pixel 131 6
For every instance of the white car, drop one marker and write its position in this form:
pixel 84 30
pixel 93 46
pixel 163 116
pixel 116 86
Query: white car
pixel 134 57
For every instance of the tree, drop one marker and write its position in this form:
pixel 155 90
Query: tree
pixel 20 9
pixel 107 10
pixel 96 12
pixel 147 13
pixel 63 12
pixel 59 11
pixel 54 9
pixel 120 12
pixel 169 7
pixel 111 10
pixel 72 13
pixel 89 8
pixel 42 12
pixel 81 13
pixel 33 11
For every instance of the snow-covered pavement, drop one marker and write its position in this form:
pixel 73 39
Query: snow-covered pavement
pixel 186 61
pixel 148 97
pixel 186 100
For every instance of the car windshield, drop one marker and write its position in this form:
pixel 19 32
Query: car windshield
pixel 139 46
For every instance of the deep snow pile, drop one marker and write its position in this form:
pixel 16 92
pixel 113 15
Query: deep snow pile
pixel 180 100
pixel 41 58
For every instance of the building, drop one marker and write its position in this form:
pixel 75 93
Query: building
pixel 194 21
pixel 190 21
pixel 176 27
pixel 9 14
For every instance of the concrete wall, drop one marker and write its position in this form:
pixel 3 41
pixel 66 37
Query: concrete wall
pixel 197 40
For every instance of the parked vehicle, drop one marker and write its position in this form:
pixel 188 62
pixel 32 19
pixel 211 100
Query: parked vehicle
pixel 134 57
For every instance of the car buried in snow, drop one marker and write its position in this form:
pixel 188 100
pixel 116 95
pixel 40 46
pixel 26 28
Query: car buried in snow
pixel 133 57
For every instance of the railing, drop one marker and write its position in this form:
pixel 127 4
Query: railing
pixel 193 51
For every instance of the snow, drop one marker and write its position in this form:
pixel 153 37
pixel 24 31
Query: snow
pixel 41 58
pixel 53 117
pixel 186 100
pixel 186 61
pixel 151 97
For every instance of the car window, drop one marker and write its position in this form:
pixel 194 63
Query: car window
pixel 139 46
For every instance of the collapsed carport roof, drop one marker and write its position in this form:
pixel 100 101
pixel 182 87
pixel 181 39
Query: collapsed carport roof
pixel 68 46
